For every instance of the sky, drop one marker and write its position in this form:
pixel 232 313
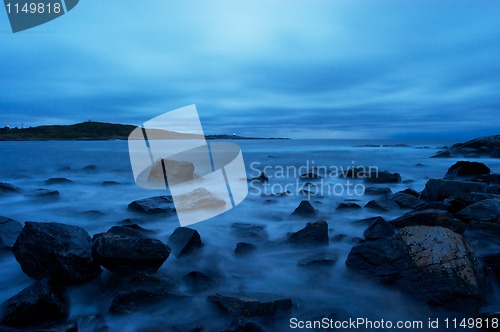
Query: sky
pixel 300 69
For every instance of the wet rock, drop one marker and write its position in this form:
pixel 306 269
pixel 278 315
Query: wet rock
pixel 153 205
pixel 131 230
pixel 438 190
pixel 261 178
pixel 110 183
pixel 406 201
pixel 41 304
pixel 92 323
pixel 239 325
pixel 199 198
pixel 493 189
pixel 369 221
pixel 318 260
pixel 348 206
pixel 177 171
pixel 382 204
pixel 43 194
pixel 491 262
pixel 442 154
pixel 90 168
pixel 378 229
pixel 430 218
pixel 477 197
pixel 482 146
pixel 253 232
pixel 487 210
pixel 7 188
pixel 152 281
pixel 9 231
pixel 383 177
pixel 184 241
pixel 488 178
pixel 52 181
pixel 198 281
pixel 378 191
pixel 251 305
pixel 410 191
pixel 313 233
pixel 305 209
pixel 127 302
pixel 55 250
pixel 310 176
pixel 431 263
pixel 125 251
pixel 466 169
pixel 244 248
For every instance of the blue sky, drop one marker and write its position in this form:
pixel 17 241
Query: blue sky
pixel 301 69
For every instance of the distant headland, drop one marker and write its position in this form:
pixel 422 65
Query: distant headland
pixel 92 131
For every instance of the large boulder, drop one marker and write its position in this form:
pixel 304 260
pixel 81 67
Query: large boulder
pixel 305 209
pixel 467 169
pixel 431 263
pixel 430 217
pixel 153 205
pixel 313 233
pixel 55 250
pixel 198 199
pixel 383 177
pixel 9 231
pixel 251 305
pixel 41 304
pixel 438 190
pixel 178 171
pixel 487 210
pixel 184 241
pixel 378 229
pixel 127 252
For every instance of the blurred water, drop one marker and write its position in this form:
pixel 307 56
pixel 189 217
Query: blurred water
pixel 88 203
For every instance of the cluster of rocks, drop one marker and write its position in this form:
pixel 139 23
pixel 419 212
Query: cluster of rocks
pixel 488 146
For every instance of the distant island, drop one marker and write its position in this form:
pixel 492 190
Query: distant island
pixel 92 131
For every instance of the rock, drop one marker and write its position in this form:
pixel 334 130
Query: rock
pixel 199 198
pixel 305 209
pixel 58 251
pixel 378 229
pixel 251 305
pixel 92 323
pixel 410 191
pixel 239 325
pixel 406 201
pixel 490 313
pixel 153 205
pixel 110 183
pixel 431 263
pixel 383 177
pixel 253 232
pixel 90 168
pixel 369 221
pixel 377 191
pixel 7 188
pixel 198 281
pixel 152 281
pixel 43 194
pixel 310 176
pixel 488 178
pixel 318 260
pixel 430 218
pixel 382 204
pixel 261 178
pixel 438 190
pixel 487 210
pixel 131 230
pixel 348 206
pixel 52 181
pixel 477 197
pixel 355 172
pixel 313 233
pixel 493 189
pixel 244 248
pixel 9 231
pixel 442 154
pixel 491 262
pixel 41 304
pixel 184 241
pixel 127 302
pixel 466 169
pixel 126 252
pixel 482 146
pixel 177 171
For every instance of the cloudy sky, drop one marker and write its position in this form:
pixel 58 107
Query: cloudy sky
pixel 301 69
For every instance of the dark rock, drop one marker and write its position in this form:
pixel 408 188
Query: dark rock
pixel 406 200
pixel 41 304
pixel 184 241
pixel 383 177
pixel 442 154
pixel 488 178
pixel 7 188
pixel 378 191
pixel 55 250
pixel 484 211
pixel 310 176
pixel 348 206
pixel 489 313
pixel 430 218
pixel 261 178
pixel 239 325
pixel 305 209
pixel 313 233
pixel 251 305
pixel 410 191
pixel 278 194
pixel 9 231
pixel 369 221
pixel 382 204
pixel 431 263
pixel 482 146
pixel 43 194
pixel 250 231
pixel 244 248
pixel 198 281
pixel 92 323
pixel 491 262
pixel 89 168
pixel 52 181
pixel 419 165
pixel 110 183
pixel 153 205
pixel 493 189
pixel 378 230
pixel 355 172
pixel 477 197
pixel 318 260
pixel 127 252
pixel 175 171
pixel 438 190
pixel 152 281
pixel 127 302
pixel 131 230
pixel 467 169
pixel 69 326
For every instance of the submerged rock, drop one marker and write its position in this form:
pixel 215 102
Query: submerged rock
pixel 383 177
pixel 438 190
pixel 348 206
pixel 251 305
pixel 52 181
pixel 43 194
pixel 319 260
pixel 184 241
pixel 430 218
pixel 244 248
pixel 378 191
pixel 198 281
pixel 9 231
pixel 313 233
pixel 487 210
pixel 254 232
pixel 261 178
pixel 7 188
pixel 127 302
pixel 382 204
pixel 41 304
pixel 305 209
pixel 482 146
pixel 55 250
pixel 153 205
pixel 406 201
pixel 466 169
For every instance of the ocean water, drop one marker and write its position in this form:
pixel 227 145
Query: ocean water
pixel 272 268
